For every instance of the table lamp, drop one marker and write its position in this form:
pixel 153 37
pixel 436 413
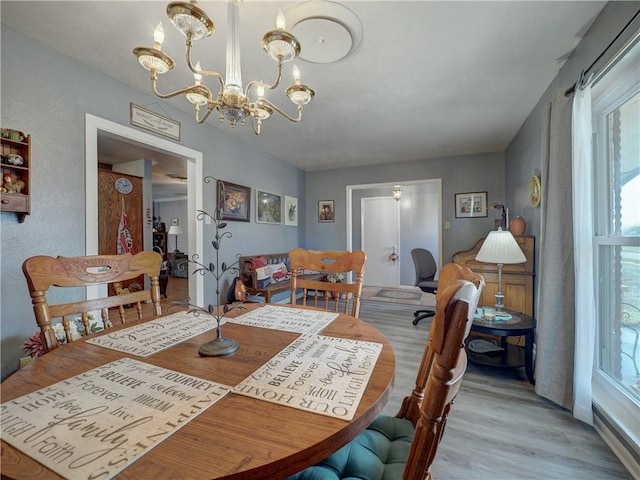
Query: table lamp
pixel 175 230
pixel 500 247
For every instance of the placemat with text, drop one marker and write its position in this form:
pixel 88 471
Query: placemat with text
pixel 150 337
pixel 96 424
pixel 324 375
pixel 298 320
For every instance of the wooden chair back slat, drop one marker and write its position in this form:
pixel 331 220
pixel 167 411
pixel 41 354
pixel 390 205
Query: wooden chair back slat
pixel 339 297
pixel 43 272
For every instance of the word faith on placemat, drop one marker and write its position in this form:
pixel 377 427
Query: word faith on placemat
pixel 96 424
pixel 298 320
pixel 150 337
pixel 319 374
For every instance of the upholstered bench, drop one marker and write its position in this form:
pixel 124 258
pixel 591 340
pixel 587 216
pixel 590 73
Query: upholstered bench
pixel 250 278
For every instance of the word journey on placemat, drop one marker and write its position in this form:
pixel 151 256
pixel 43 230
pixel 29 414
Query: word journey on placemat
pixel 298 320
pixel 155 335
pixel 319 374
pixel 96 424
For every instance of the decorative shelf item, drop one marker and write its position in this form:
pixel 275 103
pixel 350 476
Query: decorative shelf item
pixel 517 226
pixel 535 190
pixel 15 183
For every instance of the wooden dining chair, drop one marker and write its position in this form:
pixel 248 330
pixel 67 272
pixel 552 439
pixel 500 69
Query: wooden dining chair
pixel 325 294
pixel 450 274
pixel 404 446
pixel 43 272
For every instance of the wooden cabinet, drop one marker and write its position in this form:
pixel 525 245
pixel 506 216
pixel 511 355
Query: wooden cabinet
pixel 517 279
pixel 111 204
pixel 16 174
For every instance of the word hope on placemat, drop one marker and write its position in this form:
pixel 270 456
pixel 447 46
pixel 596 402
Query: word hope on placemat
pixel 319 374
pixel 96 424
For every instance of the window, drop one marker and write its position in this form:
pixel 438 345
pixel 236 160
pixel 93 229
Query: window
pixel 616 120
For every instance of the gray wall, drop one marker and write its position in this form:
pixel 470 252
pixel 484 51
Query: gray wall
pixel 471 173
pixel 523 157
pixel 50 104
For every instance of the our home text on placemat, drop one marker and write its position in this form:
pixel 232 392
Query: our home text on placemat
pixel 320 374
pixel 150 337
pixel 298 320
pixel 96 424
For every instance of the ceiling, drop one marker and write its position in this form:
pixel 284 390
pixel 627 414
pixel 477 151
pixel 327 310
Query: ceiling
pixel 429 79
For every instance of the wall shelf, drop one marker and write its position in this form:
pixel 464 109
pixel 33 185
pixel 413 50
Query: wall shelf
pixel 16 179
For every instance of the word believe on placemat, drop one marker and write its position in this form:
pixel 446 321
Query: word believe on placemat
pixel 96 424
pixel 298 320
pixel 319 374
pixel 150 337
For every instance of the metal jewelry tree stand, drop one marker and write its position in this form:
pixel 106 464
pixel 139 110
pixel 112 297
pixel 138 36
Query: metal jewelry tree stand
pixel 219 346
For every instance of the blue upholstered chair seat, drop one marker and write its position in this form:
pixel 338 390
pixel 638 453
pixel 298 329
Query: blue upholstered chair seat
pixel 378 453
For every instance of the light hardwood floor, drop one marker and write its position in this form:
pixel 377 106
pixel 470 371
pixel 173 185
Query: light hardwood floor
pixel 499 429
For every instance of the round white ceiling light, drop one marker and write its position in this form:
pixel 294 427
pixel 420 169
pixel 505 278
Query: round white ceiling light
pixel 327 31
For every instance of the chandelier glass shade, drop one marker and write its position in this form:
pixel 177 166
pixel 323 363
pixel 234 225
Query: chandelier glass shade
pixel 232 101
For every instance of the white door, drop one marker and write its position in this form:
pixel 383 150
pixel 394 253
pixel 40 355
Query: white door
pixel 380 238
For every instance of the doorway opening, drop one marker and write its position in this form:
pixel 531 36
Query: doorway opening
pixel 420 225
pixel 95 126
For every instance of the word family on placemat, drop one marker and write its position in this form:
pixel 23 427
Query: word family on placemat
pixel 297 320
pixel 96 424
pixel 324 375
pixel 155 335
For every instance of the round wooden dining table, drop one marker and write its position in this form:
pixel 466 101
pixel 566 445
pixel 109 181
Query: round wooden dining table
pixel 238 437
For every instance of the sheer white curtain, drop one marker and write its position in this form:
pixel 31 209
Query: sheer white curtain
pixel 585 292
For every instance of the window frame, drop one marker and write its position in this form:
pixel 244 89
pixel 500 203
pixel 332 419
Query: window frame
pixel 608 396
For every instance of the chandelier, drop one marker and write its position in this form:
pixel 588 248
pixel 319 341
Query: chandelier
pixel 396 192
pixel 232 101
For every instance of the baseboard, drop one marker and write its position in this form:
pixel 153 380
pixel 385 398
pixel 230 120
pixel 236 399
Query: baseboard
pixel 621 448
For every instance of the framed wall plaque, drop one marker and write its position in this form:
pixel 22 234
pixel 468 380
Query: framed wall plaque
pixel 471 205
pixel 268 207
pixel 326 212
pixel 236 201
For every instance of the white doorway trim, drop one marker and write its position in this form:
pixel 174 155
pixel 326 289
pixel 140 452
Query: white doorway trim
pixel 95 124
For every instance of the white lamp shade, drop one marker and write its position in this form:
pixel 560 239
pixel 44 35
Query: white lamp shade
pixel 500 247
pixel 175 230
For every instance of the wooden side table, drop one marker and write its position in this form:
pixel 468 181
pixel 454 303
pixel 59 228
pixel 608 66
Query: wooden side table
pixel 511 356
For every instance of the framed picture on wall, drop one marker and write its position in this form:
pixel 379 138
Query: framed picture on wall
pixel 236 201
pixel 471 205
pixel 268 207
pixel 175 221
pixel 290 211
pixel 326 213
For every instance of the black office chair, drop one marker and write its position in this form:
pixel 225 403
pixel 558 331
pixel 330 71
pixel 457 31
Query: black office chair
pixel 426 270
